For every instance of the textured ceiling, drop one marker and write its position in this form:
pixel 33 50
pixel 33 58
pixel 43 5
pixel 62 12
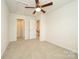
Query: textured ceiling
pixel 18 7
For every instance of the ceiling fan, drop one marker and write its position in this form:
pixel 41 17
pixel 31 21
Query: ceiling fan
pixel 39 7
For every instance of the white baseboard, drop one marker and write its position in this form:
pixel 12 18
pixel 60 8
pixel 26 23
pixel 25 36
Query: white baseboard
pixel 62 46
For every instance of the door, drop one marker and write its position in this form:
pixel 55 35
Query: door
pixel 20 29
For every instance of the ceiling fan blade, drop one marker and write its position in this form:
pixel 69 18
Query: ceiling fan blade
pixel 34 12
pixel 29 7
pixel 37 2
pixel 43 11
pixel 48 4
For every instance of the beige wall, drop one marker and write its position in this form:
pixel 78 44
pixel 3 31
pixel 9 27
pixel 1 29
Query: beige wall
pixel 61 26
pixel 4 26
pixel 33 29
pixel 43 27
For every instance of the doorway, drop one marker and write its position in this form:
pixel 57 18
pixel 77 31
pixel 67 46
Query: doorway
pixel 20 29
pixel 38 29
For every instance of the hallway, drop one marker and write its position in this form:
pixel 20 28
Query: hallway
pixel 35 49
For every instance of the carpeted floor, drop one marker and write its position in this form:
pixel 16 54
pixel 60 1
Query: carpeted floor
pixel 35 49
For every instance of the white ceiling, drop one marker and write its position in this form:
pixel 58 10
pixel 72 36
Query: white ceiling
pixel 18 8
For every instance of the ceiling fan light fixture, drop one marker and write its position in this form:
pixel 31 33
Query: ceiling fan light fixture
pixel 38 9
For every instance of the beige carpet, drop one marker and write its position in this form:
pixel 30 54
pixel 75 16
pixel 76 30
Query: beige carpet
pixel 34 49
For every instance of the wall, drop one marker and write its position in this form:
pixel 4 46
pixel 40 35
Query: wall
pixel 33 29
pixel 42 27
pixel 4 26
pixel 62 26
pixel 13 29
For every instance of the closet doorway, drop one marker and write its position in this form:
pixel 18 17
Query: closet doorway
pixel 20 29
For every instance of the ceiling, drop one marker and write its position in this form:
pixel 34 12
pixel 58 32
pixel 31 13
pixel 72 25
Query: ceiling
pixel 18 8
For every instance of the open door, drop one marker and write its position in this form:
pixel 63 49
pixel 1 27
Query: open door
pixel 38 29
pixel 20 29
